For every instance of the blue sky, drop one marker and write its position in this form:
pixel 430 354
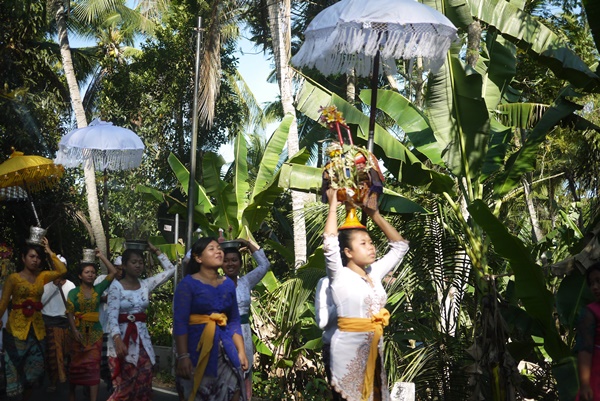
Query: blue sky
pixel 255 69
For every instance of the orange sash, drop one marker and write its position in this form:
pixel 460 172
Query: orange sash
pixel 375 324
pixel 88 317
pixel 205 344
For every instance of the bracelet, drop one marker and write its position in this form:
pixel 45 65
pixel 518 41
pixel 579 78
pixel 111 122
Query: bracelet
pixel 116 335
pixel 183 356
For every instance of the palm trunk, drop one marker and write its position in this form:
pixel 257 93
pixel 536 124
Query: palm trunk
pixel 77 104
pixel 280 26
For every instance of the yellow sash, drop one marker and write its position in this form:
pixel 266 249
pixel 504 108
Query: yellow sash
pixel 375 324
pixel 88 317
pixel 205 344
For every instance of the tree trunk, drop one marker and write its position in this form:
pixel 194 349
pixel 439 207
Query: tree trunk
pixel 280 26
pixel 77 104
pixel 536 230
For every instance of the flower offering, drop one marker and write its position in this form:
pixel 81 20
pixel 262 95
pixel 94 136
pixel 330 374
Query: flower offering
pixel 351 169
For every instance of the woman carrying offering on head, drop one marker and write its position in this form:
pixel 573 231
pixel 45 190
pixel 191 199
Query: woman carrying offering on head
pixel 356 347
pixel 130 350
pixel 232 264
pixel 83 305
pixel 25 332
pixel 207 330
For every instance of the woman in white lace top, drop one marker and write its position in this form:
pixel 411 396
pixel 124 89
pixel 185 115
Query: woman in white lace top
pixel 356 359
pixel 232 263
pixel 130 350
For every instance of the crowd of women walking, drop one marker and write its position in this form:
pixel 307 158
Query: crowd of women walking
pixel 100 326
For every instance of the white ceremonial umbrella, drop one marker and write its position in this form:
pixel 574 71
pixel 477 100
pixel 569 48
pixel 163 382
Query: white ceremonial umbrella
pixel 109 146
pixel 356 34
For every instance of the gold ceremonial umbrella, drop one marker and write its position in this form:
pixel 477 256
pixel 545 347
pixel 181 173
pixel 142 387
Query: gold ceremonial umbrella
pixel 31 172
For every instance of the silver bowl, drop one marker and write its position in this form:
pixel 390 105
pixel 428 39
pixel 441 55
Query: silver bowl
pixel 139 245
pixel 231 244
pixel 36 234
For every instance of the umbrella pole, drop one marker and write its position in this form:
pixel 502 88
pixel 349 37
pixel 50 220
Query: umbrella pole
pixel 374 82
pixel 37 219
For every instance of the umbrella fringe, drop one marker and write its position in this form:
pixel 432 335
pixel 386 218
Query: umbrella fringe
pixel 355 47
pixel 121 159
pixel 32 179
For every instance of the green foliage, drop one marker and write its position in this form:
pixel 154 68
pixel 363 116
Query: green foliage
pixel 160 313
pixel 152 95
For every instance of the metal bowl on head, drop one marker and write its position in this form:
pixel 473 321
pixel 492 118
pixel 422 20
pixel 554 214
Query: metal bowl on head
pixel 36 234
pixel 140 245
pixel 231 244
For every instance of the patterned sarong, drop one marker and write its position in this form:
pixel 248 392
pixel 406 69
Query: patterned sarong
pixel 84 369
pixel 57 348
pixel 24 362
pixel 133 382
pixel 228 382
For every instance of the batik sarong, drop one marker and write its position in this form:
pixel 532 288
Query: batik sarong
pixel 133 382
pixel 24 363
pixel 229 380
pixel 57 348
pixel 84 369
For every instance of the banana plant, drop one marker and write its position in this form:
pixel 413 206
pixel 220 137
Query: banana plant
pixel 233 206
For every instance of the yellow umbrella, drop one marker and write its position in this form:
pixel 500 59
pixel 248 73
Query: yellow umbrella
pixel 36 172
pixel 31 172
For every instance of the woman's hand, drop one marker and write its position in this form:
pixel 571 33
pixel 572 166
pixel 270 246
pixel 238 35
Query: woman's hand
pixel 185 368
pixel 46 246
pixel 120 347
pixel 153 249
pixel 59 282
pixel 586 393
pixel 78 337
pixel 243 360
pixel 252 246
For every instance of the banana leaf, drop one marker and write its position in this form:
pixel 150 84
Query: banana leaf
pixel 457 11
pixel 524 159
pixel 521 115
pixel 540 42
pixel 224 211
pixel 183 175
pixel 301 177
pixel 500 137
pixel 458 115
pixel 173 251
pixel 271 157
pixel 497 63
pixel 573 294
pixel 266 189
pixel 565 372
pixel 412 121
